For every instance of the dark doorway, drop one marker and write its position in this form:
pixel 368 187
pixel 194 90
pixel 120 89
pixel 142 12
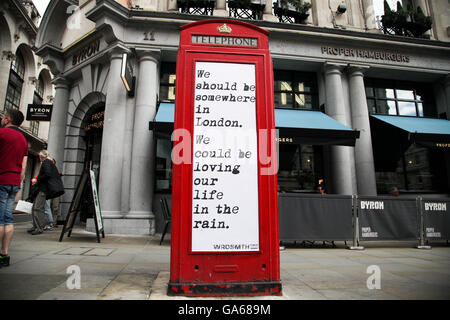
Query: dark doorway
pixel 93 128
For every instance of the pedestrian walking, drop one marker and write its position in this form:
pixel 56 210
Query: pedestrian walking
pixel 50 186
pixel 48 209
pixel 13 163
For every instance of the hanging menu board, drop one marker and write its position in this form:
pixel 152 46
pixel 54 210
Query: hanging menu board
pixel 225 168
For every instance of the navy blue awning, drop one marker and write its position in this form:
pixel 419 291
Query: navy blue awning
pixel 425 131
pixel 295 126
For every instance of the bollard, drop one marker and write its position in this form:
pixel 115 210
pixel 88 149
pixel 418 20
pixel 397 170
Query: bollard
pixel 419 206
pixel 355 245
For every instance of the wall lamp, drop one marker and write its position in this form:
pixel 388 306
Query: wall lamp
pixel 341 8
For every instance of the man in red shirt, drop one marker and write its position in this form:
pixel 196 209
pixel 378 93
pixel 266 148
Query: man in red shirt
pixel 13 162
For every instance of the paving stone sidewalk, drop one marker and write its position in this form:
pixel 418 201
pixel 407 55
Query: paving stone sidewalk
pixel 137 268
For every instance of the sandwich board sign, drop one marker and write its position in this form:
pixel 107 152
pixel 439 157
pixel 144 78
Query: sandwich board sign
pixel 87 180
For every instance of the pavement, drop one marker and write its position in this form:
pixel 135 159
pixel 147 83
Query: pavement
pixel 124 267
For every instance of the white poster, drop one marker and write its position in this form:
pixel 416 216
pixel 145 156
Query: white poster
pixel 225 167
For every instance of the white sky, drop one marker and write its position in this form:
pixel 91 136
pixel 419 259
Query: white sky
pixel 41 5
pixel 378 6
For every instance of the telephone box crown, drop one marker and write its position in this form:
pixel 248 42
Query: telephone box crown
pixel 224 29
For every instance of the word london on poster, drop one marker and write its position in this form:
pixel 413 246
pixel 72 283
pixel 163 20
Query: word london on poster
pixel 225 168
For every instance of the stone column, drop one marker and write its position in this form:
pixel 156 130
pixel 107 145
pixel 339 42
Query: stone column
pixel 127 149
pixel 5 66
pixel 268 15
pixel 143 156
pixel 365 167
pixel 220 9
pixel 172 5
pixel 369 15
pixel 447 95
pixel 342 157
pixel 58 122
pixel 447 110
pixel 113 139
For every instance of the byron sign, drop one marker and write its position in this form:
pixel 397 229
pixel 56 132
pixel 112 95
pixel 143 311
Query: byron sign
pixel 39 112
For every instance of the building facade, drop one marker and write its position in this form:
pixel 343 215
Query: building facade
pixel 334 61
pixel 24 78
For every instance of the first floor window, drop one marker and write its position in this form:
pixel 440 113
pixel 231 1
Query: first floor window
pixel 400 98
pixel 295 90
pixel 34 127
pixel 167 81
pixel 15 82
pixel 13 94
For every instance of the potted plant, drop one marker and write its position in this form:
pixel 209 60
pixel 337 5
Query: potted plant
pixel 409 22
pixel 419 23
pixel 288 10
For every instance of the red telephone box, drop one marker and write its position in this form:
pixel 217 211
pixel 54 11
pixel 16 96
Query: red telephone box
pixel 224 238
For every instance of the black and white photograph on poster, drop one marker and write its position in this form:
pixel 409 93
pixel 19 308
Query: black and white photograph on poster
pixel 225 176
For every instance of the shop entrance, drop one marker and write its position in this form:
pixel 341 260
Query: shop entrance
pixel 93 129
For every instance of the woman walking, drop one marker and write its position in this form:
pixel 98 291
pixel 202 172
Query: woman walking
pixel 50 186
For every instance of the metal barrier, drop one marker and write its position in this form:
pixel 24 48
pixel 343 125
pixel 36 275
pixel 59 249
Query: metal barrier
pixel 435 220
pixel 310 217
pixel 315 217
pixel 384 218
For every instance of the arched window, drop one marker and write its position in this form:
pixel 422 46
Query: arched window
pixel 15 83
pixel 40 87
pixel 37 99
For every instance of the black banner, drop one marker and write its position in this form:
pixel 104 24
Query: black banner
pixel 315 217
pixel 382 218
pixel 436 220
pixel 39 112
pixel 127 75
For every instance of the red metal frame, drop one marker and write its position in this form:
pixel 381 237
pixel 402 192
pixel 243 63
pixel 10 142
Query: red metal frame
pixel 224 273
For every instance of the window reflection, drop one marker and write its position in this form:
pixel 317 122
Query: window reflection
pixel 418 169
pixel 405 94
pixel 369 92
pixel 407 108
pixel 296 90
pixel 167 82
pixel 399 98
pixel 420 109
pixel 300 167
pixel 384 93
pixel 163 166
pixel 386 107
